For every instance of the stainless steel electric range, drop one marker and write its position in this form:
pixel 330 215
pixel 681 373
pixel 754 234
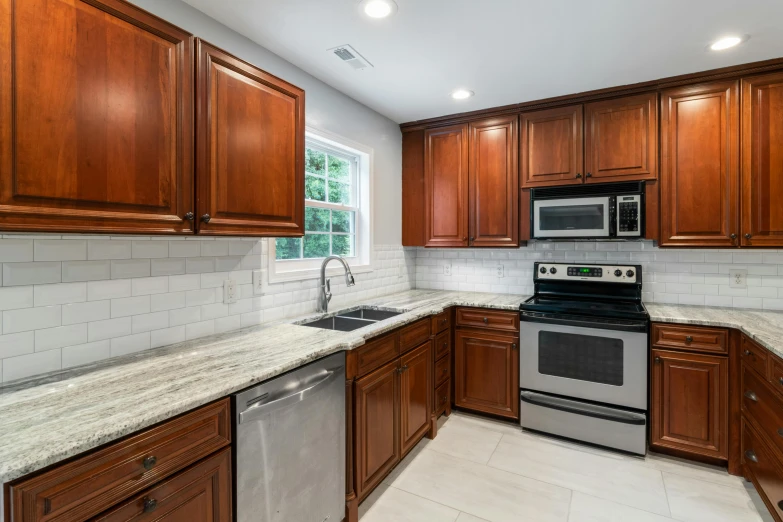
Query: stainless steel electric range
pixel 584 355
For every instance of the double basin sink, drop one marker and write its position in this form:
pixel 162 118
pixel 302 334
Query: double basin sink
pixel 352 320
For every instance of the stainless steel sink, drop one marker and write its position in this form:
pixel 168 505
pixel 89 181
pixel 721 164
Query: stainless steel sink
pixel 341 324
pixel 366 313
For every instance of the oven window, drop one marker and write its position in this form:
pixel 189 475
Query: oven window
pixel 581 357
pixel 572 217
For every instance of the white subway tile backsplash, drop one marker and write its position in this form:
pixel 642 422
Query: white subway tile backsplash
pixel 227 324
pixel 167 336
pixel 128 268
pixel 167 267
pixel 148 322
pixel 58 250
pixel 86 312
pixel 14 297
pixel 16 250
pixel 85 353
pixel 182 316
pixel 62 293
pixel 31 364
pixel 12 345
pixel 73 271
pixel 199 265
pixel 130 344
pixel 101 290
pixel 184 249
pixel 26 319
pixel 184 282
pixel 128 306
pixel 214 248
pixel 200 329
pixel 200 297
pixel 150 285
pixel 109 328
pixel 99 249
pixel 150 249
pixel 167 301
pixel 51 338
pixel 18 274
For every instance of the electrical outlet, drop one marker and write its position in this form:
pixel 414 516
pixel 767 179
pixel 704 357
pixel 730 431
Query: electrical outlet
pixel 499 271
pixel 258 287
pixel 230 291
pixel 447 269
pixel 738 278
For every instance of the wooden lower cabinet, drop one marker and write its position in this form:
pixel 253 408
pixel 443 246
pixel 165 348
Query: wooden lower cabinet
pixel 486 372
pixel 763 468
pixel 199 494
pixel 689 403
pixel 376 421
pixel 415 395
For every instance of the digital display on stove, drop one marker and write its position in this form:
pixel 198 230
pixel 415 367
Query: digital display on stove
pixel 585 271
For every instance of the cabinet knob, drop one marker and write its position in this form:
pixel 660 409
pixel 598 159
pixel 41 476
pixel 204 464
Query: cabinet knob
pixel 688 339
pixel 780 432
pixel 150 505
pixel 780 380
pixel 751 456
pixel 486 321
pixel 733 236
pixel 149 462
pixel 472 238
pixel 205 218
pixel 188 217
pixel 657 360
pixel 445 370
pixel 513 346
pixel 748 236
pixel 747 352
pixel 752 396
pixel 443 321
pixel 588 175
pixel 443 400
pixel 578 175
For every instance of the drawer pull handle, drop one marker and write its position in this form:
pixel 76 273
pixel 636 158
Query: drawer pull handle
pixel 751 456
pixel 443 400
pixel 150 505
pixel 486 320
pixel 443 321
pixel 752 396
pixel 747 352
pixel 688 338
pixel 150 462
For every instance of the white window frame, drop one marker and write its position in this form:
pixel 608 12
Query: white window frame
pixel 361 157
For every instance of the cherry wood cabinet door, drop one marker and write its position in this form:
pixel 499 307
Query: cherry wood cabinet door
pixel 377 428
pixel 415 395
pixel 96 117
pixel 762 161
pixel 689 403
pixel 250 149
pixel 200 494
pixel 700 165
pixel 486 373
pixel 621 139
pixel 446 185
pixel 494 182
pixel 552 151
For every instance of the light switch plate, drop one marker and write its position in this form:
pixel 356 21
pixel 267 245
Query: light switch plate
pixel 229 291
pixel 258 287
pixel 738 278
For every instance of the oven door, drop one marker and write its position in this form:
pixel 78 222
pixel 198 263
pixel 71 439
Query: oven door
pixel 566 358
pixel 571 218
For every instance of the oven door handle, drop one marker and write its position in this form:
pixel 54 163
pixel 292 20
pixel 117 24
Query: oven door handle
pixel 619 325
pixel 581 408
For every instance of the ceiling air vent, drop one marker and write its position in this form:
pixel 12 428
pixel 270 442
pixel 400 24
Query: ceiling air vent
pixel 349 55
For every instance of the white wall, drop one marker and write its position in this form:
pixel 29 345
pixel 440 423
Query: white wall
pixel 682 276
pixel 325 108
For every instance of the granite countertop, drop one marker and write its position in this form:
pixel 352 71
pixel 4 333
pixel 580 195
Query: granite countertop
pixel 48 420
pixel 763 326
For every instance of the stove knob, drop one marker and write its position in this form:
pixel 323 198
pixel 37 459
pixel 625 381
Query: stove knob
pixel 543 270
pixel 553 270
pixel 629 273
pixel 618 273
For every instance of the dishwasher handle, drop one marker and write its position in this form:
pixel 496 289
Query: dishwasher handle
pixel 300 394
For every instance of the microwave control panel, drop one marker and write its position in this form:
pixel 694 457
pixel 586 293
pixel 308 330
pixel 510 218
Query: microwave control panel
pixel 627 215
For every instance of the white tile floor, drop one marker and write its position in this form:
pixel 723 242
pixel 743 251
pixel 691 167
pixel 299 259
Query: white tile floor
pixel 483 470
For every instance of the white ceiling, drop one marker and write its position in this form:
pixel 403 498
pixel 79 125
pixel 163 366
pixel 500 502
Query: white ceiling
pixel 507 51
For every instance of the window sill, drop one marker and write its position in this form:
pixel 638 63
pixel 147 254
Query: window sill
pixel 333 270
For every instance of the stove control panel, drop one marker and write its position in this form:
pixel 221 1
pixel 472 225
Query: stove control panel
pixel 599 273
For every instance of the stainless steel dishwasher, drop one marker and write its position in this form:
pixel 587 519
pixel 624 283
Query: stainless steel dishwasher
pixel 290 446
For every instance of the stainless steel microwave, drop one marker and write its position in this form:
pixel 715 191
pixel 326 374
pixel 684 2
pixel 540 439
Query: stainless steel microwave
pixel 605 211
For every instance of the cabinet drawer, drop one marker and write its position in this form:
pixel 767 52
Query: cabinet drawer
pixel 442 370
pixel 776 373
pixel 442 344
pixel 765 469
pixel 754 356
pixel 492 319
pixel 376 353
pixel 442 396
pixel 441 322
pixel 202 492
pixel 691 338
pixel 85 487
pixel 763 405
pixel 413 335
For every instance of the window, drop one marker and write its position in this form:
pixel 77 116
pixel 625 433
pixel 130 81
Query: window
pixel 331 207
pixel 338 192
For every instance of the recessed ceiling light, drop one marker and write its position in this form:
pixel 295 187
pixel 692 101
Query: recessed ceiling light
pixel 726 43
pixel 462 94
pixel 378 8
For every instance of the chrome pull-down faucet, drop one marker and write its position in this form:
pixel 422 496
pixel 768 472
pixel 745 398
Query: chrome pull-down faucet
pixel 325 294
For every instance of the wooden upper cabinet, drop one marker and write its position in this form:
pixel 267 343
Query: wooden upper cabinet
pixel 250 149
pixel 621 139
pixel 700 165
pixel 96 117
pixel 414 194
pixel 689 403
pixel 494 185
pixel 762 161
pixel 551 147
pixel 446 185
